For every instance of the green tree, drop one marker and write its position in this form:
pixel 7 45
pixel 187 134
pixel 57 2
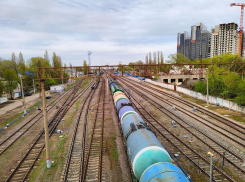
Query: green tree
pixel 2 88
pixel 11 81
pixel 178 58
pixel 201 87
pixel 33 63
pixel 5 64
pixel 240 99
pixel 232 81
pixel 56 64
pixel 216 85
pixel 49 83
pixel 85 70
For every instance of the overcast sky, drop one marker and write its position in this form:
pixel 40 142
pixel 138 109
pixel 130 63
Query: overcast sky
pixel 113 30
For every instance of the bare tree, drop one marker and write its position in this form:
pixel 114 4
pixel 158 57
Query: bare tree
pixel 14 63
pixel 46 55
pixel 150 60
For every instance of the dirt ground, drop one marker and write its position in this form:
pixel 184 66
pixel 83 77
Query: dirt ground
pixel 14 104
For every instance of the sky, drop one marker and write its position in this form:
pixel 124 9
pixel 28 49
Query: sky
pixel 115 31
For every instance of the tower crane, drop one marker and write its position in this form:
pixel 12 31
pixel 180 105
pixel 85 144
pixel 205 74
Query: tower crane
pixel 241 26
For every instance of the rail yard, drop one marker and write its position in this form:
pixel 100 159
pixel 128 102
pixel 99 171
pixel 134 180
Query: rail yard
pixel 123 129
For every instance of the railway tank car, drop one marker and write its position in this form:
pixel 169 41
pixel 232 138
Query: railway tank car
pixel 149 159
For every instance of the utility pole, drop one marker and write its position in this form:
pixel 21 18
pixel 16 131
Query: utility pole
pixel 207 89
pixel 211 166
pixel 23 96
pixel 39 65
pixel 46 125
pixel 33 86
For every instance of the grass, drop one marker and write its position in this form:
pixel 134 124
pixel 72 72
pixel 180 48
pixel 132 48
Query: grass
pixel 197 101
pixel 57 157
pixel 2 124
pixel 111 149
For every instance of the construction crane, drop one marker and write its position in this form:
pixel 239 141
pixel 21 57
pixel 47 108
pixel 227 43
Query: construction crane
pixel 241 25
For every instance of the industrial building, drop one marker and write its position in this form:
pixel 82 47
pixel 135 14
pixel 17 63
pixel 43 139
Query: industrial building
pixel 195 46
pixel 224 38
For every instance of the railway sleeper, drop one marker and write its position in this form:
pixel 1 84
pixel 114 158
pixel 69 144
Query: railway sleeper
pixel 194 157
pixel 29 161
pixel 73 179
pixel 92 180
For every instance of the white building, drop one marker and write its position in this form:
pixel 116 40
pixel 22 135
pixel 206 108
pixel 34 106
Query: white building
pixel 74 73
pixel 57 88
pixel 3 99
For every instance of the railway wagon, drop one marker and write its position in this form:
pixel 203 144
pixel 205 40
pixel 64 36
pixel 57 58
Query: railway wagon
pixel 149 159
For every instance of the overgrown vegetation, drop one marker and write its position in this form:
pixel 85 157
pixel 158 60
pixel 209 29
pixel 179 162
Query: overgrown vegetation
pixel 228 86
pixel 10 70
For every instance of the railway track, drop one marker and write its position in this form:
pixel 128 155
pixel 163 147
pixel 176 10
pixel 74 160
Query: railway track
pixel 230 123
pixel 17 134
pixel 24 166
pixel 92 166
pixel 229 132
pixel 72 171
pixel 191 153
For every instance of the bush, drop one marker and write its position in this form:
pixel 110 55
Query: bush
pixel 201 87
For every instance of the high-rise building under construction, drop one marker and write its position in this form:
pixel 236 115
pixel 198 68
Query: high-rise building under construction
pixel 224 38
pixel 195 46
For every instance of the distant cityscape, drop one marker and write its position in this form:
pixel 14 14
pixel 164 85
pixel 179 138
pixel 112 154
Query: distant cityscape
pixel 203 44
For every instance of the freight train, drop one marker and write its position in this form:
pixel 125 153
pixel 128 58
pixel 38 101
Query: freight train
pixel 149 160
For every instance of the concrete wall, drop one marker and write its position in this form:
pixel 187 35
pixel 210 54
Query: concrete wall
pixel 213 100
pixel 177 78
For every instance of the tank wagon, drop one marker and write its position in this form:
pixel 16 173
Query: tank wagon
pixel 149 159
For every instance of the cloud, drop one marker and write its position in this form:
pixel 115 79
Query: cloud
pixel 122 30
